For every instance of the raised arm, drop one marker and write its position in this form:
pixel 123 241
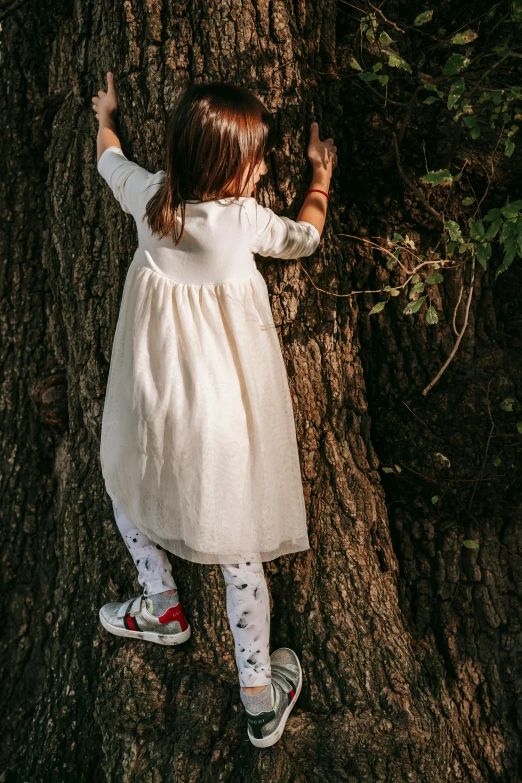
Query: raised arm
pixel 105 105
pixel 323 157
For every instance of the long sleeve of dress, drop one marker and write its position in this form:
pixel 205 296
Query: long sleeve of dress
pixel 279 236
pixel 126 179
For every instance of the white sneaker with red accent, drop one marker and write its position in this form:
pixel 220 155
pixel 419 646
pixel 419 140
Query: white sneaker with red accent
pixel 132 618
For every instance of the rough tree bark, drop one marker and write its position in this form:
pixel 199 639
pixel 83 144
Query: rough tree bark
pixel 409 643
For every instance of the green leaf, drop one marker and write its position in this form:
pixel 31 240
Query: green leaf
pixel 367 77
pixel 435 277
pixel 385 39
pixel 463 38
pixel 454 64
pixel 455 94
pixel 397 62
pixel 377 308
pixel 494 227
pixel 412 307
pixel 512 209
pixel 468 201
pixel 454 230
pixel 377 67
pixel 519 426
pixel 398 238
pixel 470 121
pixel 475 132
pixel 509 148
pixel 442 177
pixel 435 499
pixel 416 289
pixel 416 278
pixel 394 292
pixel 431 315
pixel 497 462
pixel 354 64
pixel 388 470
pixel 423 18
pixel 431 99
pixel 470 543
pixel 483 253
pixel 451 247
pixel 476 229
pixel 493 214
pixel 383 79
pixel 507 403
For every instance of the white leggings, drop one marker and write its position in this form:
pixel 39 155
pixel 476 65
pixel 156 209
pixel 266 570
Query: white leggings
pixel 247 601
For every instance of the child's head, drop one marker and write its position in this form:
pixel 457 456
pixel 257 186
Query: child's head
pixel 217 137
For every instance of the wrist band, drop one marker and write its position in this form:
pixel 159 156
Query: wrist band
pixel 316 190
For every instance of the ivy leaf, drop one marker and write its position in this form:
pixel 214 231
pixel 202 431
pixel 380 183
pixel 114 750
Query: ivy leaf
pixel 507 404
pixel 354 64
pixel 377 308
pixel 397 62
pixel 494 227
pixel 416 288
pixel 442 177
pixel 431 317
pixel 383 79
pixel 454 64
pixel 512 209
pixel 493 214
pixel 454 230
pixel 455 94
pixel 476 229
pixel 470 543
pixel 463 38
pixel 483 253
pixel 412 307
pixel 423 18
pixel 436 277
pixel 431 99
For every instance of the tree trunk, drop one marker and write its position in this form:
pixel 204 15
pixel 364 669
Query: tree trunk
pixel 409 642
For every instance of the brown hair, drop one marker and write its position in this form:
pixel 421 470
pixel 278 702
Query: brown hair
pixel 215 133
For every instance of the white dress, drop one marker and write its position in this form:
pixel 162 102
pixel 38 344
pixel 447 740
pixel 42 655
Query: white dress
pixel 198 442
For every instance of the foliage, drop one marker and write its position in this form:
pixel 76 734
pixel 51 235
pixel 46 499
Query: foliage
pixel 474 91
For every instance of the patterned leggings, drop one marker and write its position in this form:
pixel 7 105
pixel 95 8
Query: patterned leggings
pixel 247 601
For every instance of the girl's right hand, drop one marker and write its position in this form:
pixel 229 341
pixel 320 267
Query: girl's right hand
pixel 321 154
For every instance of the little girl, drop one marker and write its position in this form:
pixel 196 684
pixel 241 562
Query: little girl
pixel 198 445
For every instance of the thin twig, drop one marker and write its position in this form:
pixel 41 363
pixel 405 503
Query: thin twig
pixel 459 338
pixel 418 192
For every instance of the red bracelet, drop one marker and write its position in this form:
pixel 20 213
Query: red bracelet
pixel 316 190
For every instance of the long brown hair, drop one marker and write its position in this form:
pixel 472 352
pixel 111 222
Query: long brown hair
pixel 215 133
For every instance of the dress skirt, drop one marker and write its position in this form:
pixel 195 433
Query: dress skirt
pixel 198 441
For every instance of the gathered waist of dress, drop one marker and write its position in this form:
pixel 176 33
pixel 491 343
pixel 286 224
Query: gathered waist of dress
pixel 192 277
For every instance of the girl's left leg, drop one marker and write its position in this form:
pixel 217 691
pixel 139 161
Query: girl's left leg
pixel 153 565
pixel 248 609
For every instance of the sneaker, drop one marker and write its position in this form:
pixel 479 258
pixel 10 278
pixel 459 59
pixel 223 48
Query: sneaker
pixel 132 618
pixel 265 728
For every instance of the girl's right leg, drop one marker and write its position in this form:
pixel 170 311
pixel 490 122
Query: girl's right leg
pixel 248 609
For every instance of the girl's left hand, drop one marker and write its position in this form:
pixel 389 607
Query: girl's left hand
pixel 105 103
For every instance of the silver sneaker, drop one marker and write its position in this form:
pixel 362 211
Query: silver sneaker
pixel 133 619
pixel 265 728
